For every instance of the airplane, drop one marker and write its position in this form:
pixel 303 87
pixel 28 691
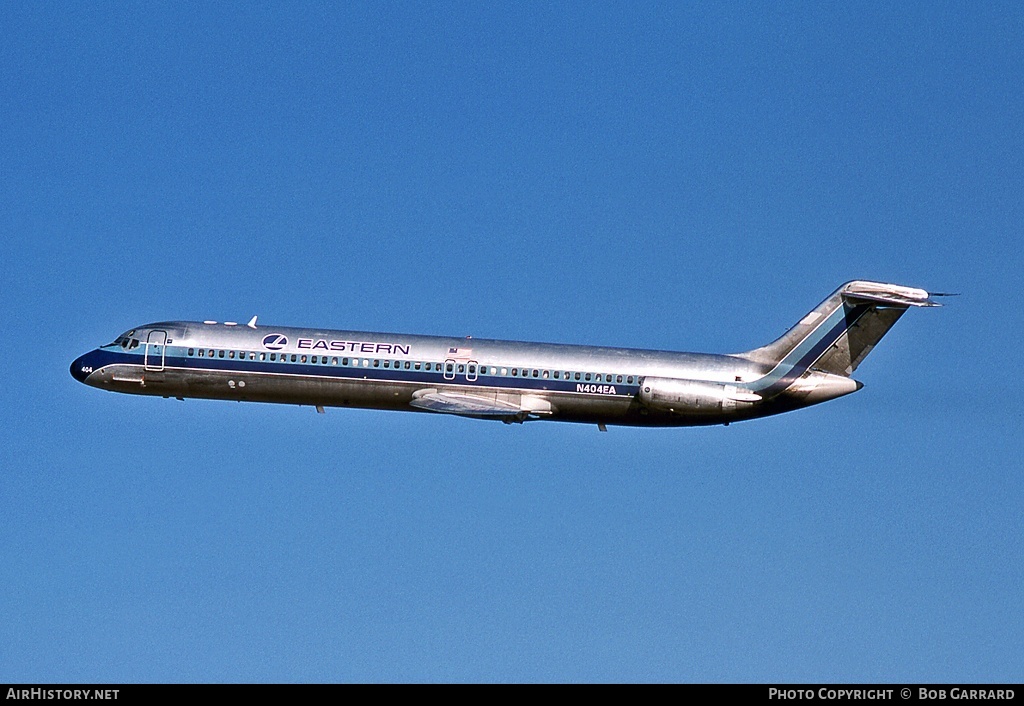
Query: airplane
pixel 510 381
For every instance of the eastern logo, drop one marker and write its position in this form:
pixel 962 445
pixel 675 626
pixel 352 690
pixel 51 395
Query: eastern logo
pixel 275 341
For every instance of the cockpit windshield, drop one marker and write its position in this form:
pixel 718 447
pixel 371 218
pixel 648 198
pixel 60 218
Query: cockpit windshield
pixel 125 340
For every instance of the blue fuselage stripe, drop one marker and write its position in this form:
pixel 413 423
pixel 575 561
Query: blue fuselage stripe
pixel 173 360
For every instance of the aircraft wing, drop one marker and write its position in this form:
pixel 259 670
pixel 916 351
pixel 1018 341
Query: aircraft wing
pixel 464 405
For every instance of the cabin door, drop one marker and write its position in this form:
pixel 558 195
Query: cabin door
pixel 156 346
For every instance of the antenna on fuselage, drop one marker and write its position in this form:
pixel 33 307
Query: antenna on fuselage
pixel 252 322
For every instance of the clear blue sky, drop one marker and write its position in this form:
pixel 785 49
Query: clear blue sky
pixel 677 176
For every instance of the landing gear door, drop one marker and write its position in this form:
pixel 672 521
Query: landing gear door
pixel 156 347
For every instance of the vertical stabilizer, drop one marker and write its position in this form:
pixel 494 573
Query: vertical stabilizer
pixel 837 335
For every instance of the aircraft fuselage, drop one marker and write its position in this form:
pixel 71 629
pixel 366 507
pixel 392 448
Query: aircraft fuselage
pixel 507 380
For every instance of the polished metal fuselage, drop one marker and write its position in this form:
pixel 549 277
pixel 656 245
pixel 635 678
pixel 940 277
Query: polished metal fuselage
pixel 512 381
pixel 335 368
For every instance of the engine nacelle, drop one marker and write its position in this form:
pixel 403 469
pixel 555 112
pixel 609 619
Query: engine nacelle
pixel 695 398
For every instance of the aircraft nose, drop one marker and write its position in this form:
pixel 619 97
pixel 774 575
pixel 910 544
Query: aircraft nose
pixel 80 369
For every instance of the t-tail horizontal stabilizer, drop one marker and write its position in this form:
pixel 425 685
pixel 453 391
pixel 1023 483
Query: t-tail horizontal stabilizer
pixel 891 294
